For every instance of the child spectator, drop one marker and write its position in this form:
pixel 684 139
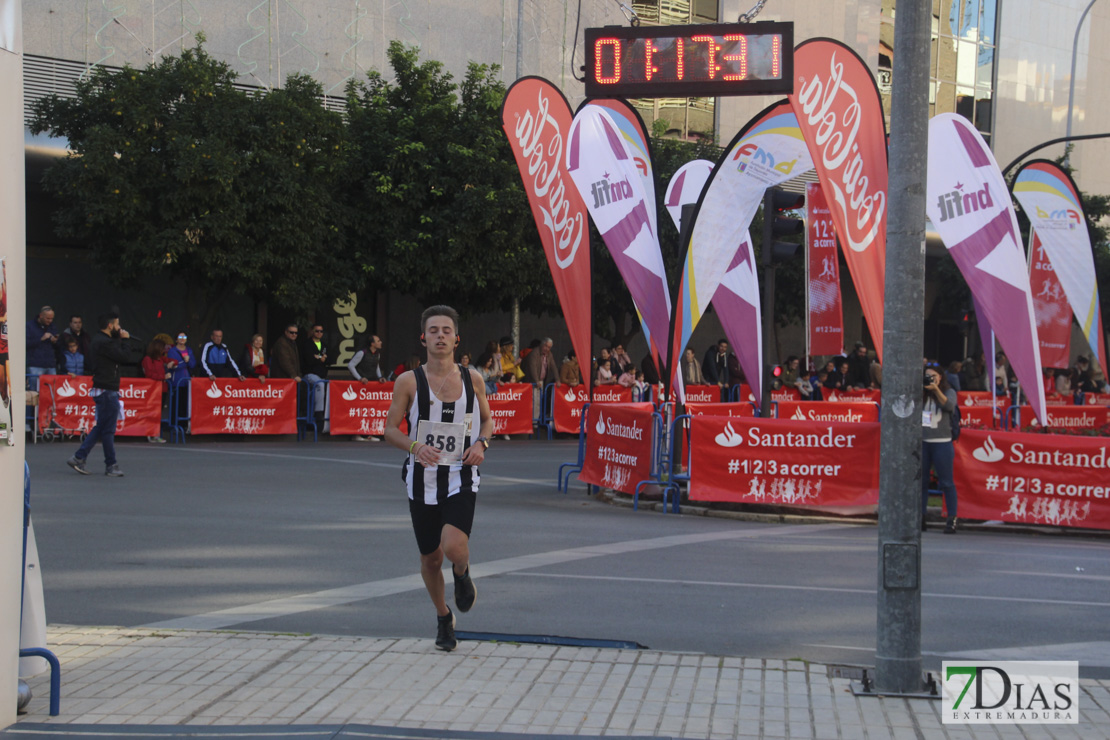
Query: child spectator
pixel 73 362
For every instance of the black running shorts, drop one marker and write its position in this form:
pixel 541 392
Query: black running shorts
pixel 428 519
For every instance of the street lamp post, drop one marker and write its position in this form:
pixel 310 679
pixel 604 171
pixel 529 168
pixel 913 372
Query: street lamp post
pixel 1071 82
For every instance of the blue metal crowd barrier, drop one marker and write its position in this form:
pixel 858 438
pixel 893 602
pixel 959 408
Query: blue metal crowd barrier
pixel 547 416
pixel 576 466
pixel 656 472
pixel 308 419
pixel 180 411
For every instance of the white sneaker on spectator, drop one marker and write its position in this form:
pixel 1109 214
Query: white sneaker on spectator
pixel 357 438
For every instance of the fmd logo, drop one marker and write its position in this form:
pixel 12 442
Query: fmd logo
pixel 752 154
pixel 1010 692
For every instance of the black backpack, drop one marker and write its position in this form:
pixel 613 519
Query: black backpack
pixel 954 420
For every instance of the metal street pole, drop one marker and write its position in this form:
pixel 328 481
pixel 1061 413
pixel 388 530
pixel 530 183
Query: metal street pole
pixel 1071 82
pixel 898 644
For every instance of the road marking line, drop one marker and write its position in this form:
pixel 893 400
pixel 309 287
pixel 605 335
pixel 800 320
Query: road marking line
pixel 784 587
pixel 374 589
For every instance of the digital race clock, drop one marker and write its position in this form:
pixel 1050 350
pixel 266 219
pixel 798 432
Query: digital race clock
pixel 690 61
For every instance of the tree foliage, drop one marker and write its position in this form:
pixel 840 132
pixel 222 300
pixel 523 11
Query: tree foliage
pixel 436 195
pixel 174 171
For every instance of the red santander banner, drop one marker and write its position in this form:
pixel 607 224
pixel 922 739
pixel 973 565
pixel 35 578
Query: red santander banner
pixel 233 406
pixel 511 408
pixel 782 462
pixel 1034 478
pixel 1050 307
pixel 619 445
pixel 821 411
pixel 1066 418
pixel 735 408
pixel 1096 399
pixel 702 394
pixel 841 116
pixel 780 394
pixel 825 317
pixel 569 400
pixel 536 118
pixel 852 396
pixel 65 401
pixel 358 408
pixel 971 399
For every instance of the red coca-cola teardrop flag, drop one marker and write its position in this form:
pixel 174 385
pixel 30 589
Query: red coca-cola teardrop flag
pixel 841 115
pixel 537 118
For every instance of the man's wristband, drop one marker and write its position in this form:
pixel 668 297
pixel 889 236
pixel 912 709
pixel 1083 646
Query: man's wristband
pixel 413 446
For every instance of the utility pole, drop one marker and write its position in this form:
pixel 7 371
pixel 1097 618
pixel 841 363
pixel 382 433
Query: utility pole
pixel 898 643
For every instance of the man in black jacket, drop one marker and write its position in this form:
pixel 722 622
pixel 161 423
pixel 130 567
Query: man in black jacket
pixel 108 351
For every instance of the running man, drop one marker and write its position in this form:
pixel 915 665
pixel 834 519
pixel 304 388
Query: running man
pixel 449 429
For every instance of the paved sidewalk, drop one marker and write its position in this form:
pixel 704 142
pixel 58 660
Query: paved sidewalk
pixel 361 686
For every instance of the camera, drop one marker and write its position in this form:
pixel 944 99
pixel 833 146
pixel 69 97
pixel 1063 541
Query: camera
pixel 927 381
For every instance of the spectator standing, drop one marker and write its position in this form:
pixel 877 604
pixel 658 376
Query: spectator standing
pixel 691 369
pixel 494 351
pixel 604 373
pixel 42 336
pixel 510 363
pixel 108 351
pixel 489 372
pixel 216 359
pixel 1082 379
pixel 539 370
pixel 834 380
pixel 184 358
pixel 286 355
pixel 623 361
pixel 314 362
pixel 876 374
pixel 76 329
pixel 157 366
pixel 73 360
pixel 952 375
pixel 937 452
pixel 859 368
pixel 714 366
pixel 366 365
pixel 254 358
pixel 569 372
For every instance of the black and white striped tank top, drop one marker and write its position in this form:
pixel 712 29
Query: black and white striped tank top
pixel 435 484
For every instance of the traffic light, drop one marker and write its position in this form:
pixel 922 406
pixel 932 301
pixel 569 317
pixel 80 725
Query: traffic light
pixel 776 377
pixel 777 203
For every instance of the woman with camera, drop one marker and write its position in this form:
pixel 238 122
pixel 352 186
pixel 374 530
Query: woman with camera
pixel 937 450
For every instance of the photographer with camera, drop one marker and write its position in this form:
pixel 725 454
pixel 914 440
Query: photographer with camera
pixel 937 451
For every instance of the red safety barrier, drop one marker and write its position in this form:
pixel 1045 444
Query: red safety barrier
pixel 821 411
pixel 980 417
pixel 252 406
pixel 1033 478
pixel 65 405
pixel 567 402
pixel 358 408
pixel 783 462
pixel 511 408
pixel 734 408
pixel 1066 418
pixel 619 445
pixel 1096 399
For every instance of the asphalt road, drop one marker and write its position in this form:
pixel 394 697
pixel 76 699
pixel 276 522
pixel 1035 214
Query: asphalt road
pixel 282 536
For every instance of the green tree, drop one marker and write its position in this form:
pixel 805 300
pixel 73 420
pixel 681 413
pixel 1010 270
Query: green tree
pixel 437 204
pixel 174 171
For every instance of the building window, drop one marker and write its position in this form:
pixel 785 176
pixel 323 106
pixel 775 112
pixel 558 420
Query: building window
pixel 961 62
